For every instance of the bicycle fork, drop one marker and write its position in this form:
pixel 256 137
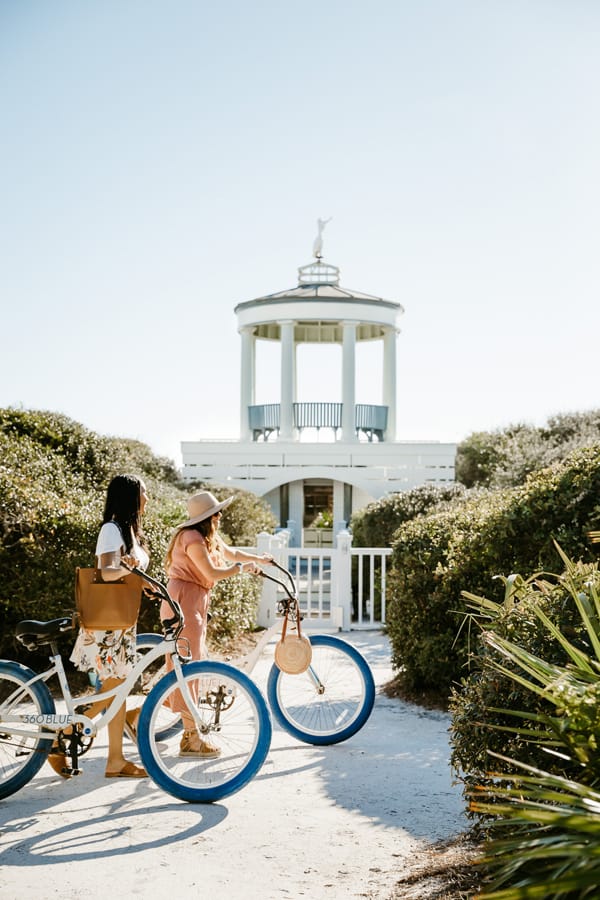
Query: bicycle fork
pixel 219 698
pixel 319 686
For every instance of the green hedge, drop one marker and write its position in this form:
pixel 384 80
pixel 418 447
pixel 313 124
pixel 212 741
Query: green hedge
pixel 53 478
pixel 464 547
pixel 505 457
pixel 376 524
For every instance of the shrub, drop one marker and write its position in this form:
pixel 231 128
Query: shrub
pixel 234 603
pixel 93 457
pixel 375 525
pixel 53 477
pixel 462 548
pixel 245 518
pixel 504 458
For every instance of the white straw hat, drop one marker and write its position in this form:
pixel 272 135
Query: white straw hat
pixel 201 506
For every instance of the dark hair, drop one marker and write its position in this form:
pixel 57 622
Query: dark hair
pixel 123 507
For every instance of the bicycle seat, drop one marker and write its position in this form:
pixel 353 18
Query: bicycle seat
pixel 35 634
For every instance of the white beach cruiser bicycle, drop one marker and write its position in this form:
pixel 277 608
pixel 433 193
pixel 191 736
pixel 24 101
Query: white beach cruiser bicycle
pixel 327 703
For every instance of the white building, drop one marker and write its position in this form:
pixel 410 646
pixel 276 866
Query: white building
pixel 362 461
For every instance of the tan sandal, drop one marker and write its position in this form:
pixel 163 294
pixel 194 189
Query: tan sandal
pixel 193 745
pixel 129 770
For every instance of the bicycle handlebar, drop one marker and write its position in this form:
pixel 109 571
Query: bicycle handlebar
pixel 292 593
pixel 177 621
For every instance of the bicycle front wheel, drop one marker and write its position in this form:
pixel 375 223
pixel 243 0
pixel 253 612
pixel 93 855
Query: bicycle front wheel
pixel 329 702
pixel 234 718
pixel 21 706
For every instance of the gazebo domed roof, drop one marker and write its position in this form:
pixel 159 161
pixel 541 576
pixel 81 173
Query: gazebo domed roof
pixel 317 281
pixel 318 305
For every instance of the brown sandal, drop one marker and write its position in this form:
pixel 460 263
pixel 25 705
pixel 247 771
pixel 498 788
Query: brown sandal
pixel 129 770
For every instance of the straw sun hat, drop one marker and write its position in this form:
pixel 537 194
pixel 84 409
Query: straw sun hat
pixel 201 506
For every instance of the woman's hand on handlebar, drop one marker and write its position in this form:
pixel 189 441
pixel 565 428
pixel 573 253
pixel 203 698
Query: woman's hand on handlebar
pixel 265 560
pixel 129 561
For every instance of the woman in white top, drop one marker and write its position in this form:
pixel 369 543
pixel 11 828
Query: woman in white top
pixel 112 654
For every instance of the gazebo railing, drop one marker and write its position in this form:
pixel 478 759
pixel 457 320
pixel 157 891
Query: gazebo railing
pixel 266 419
pixel 371 420
pixel 317 415
pixel 263 420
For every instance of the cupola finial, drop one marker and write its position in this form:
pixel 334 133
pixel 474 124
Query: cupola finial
pixel 318 244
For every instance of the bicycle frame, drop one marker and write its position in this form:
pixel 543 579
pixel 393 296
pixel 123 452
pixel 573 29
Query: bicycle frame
pixel 90 728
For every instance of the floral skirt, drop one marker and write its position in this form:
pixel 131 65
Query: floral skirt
pixel 110 654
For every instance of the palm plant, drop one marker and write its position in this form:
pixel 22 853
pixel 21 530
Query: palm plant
pixel 548 825
pixel 550 837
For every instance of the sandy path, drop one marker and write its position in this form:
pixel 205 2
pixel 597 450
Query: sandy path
pixel 333 822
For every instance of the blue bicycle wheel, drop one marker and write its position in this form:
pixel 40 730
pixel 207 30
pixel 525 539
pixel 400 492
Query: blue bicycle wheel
pixel 20 706
pixel 234 718
pixel 329 702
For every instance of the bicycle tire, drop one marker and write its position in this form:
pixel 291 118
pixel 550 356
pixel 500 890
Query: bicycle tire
pixel 147 641
pixel 243 734
pixel 20 757
pixel 337 707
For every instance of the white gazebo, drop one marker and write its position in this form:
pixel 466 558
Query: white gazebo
pixel 304 480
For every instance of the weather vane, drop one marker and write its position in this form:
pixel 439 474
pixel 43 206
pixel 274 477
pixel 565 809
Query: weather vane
pixel 318 244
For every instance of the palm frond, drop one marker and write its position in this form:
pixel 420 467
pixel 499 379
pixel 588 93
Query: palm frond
pixel 554 843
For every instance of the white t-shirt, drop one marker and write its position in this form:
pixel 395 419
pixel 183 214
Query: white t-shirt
pixel 110 540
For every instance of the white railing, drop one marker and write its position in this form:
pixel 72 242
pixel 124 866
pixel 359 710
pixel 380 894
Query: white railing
pixel 339 588
pixel 371 578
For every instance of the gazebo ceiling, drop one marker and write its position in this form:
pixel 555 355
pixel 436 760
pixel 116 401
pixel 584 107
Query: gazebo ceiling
pixel 318 332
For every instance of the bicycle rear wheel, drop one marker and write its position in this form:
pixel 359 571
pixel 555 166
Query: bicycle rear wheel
pixel 329 702
pixel 155 672
pixel 20 703
pixel 234 717
pixel 170 723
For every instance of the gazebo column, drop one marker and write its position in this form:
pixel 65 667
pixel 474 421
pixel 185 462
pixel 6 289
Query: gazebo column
pixel 349 381
pixel 248 380
pixel 389 381
pixel 288 368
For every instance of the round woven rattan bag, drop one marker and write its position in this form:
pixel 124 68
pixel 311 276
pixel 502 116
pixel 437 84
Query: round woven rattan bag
pixel 293 654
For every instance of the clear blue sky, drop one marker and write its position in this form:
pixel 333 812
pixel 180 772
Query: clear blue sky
pixel 162 161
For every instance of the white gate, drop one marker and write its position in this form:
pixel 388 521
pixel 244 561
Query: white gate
pixel 339 588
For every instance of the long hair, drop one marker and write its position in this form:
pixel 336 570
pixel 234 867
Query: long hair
pixel 123 507
pixel 207 528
